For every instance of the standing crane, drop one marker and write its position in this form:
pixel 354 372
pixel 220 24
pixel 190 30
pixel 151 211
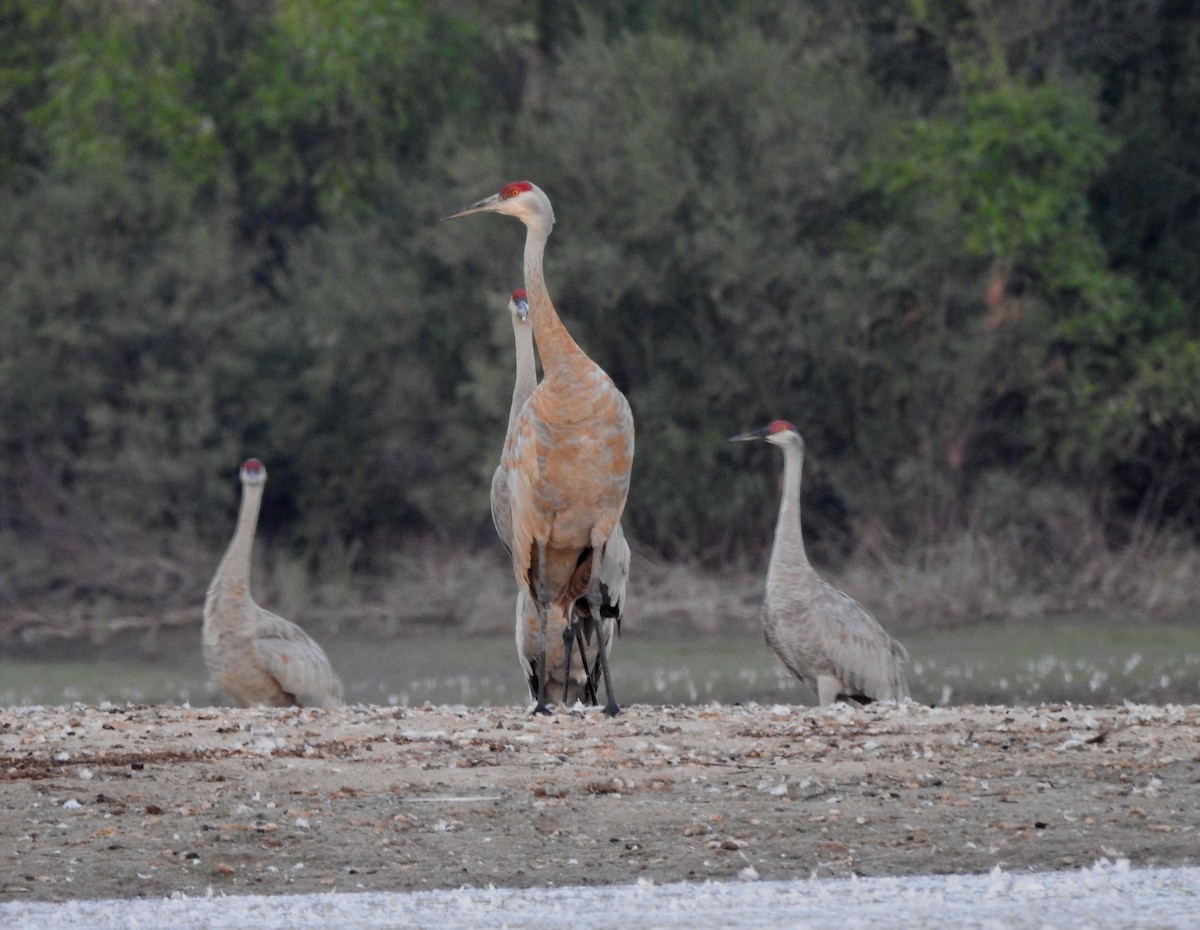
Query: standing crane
pixel 256 658
pixel 523 385
pixel 614 575
pixel 824 637
pixel 526 615
pixel 567 458
pixel 579 684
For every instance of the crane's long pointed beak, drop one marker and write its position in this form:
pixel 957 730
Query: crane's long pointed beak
pixel 480 206
pixel 523 310
pixel 753 434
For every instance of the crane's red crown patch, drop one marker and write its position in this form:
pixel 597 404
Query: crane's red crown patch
pixel 516 187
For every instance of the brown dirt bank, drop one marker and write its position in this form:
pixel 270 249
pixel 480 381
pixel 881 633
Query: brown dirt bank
pixel 135 801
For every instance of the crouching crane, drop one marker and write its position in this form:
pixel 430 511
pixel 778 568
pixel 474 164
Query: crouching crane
pixel 255 657
pixel 824 637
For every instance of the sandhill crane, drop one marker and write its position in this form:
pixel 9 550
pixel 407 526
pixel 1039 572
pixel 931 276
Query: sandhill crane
pixel 523 385
pixel 580 683
pixel 614 575
pixel 526 614
pixel 824 637
pixel 568 457
pixel 255 657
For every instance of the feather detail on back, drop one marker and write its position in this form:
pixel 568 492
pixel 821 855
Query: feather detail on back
pixel 568 455
pixel 614 567
pixel 256 658
pixel 824 637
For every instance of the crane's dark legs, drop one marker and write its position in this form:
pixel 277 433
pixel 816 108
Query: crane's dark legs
pixel 541 707
pixel 573 636
pixel 537 567
pixel 568 636
pixel 593 677
pixel 590 673
pixel 610 708
pixel 577 631
pixel 589 682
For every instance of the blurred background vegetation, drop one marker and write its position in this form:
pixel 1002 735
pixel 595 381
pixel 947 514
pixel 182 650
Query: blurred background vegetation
pixel 954 241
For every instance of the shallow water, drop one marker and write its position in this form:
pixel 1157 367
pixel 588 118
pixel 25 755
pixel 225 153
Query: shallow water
pixel 992 663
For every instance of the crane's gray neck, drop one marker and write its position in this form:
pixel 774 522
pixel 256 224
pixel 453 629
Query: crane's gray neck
pixel 235 566
pixel 526 379
pixel 789 540
pixel 558 350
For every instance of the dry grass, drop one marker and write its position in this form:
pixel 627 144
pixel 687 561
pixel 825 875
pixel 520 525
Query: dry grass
pixel 1004 577
pixel 974 577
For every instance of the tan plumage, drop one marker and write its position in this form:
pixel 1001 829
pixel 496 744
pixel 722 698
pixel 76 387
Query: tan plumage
pixel 526 614
pixel 577 680
pixel 253 656
pixel 824 637
pixel 614 567
pixel 568 456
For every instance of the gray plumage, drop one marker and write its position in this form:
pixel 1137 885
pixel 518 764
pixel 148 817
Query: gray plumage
pixel 523 385
pixel 256 658
pixel 824 637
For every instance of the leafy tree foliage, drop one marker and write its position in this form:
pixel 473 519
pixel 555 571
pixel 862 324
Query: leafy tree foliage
pixel 952 242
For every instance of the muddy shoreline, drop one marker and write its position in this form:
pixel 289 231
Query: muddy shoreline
pixel 145 801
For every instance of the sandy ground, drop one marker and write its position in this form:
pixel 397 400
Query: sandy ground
pixel 148 801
